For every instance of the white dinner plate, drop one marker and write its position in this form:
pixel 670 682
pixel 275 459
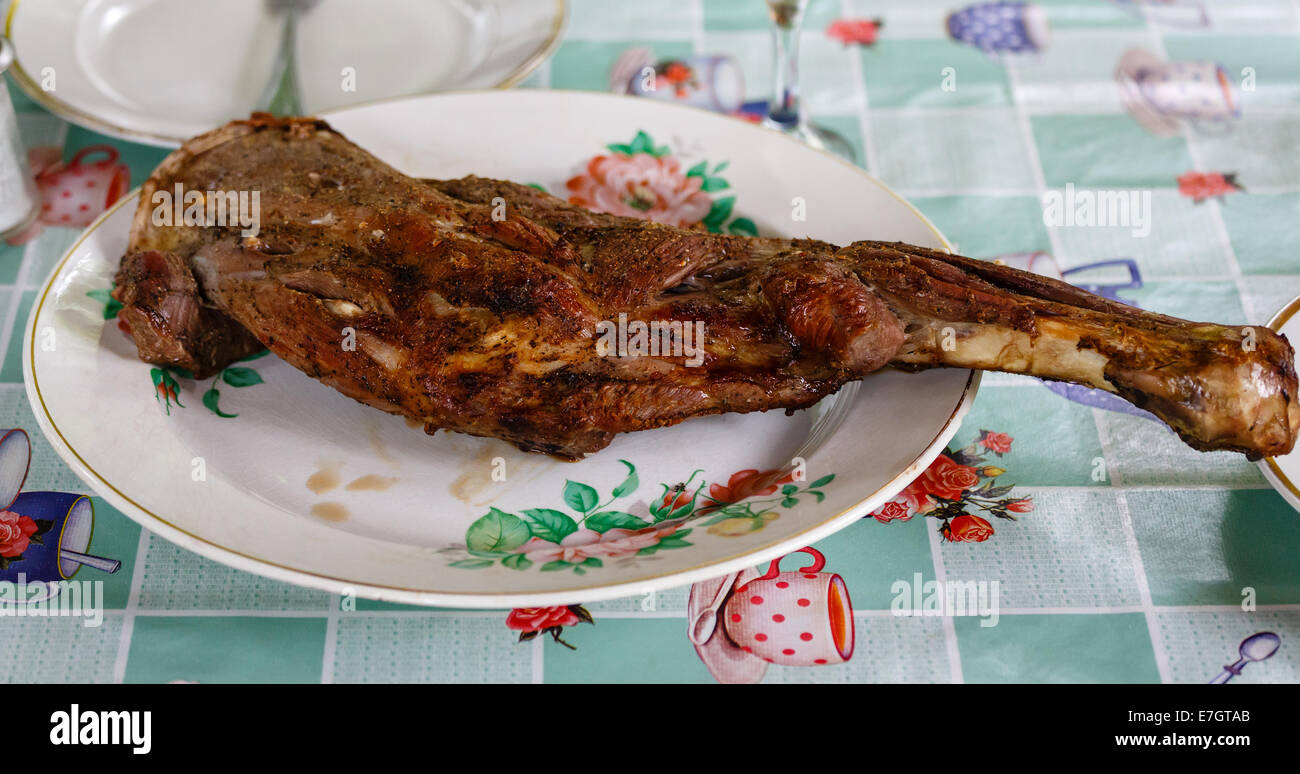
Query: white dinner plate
pixel 307 486
pixel 209 62
pixel 1284 472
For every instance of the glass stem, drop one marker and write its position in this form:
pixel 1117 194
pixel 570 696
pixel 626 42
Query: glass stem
pixel 784 107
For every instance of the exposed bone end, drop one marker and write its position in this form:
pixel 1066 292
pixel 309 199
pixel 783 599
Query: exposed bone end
pixel 1246 403
pixel 1220 387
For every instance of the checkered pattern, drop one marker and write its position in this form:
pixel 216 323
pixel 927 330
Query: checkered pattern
pixel 1137 575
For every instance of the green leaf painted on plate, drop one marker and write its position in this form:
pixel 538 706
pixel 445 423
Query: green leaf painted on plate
pixel 821 482
pixel 673 541
pixel 472 564
pixel 549 524
pixel 629 484
pixel 640 144
pixel 686 508
pixel 742 227
pixel 712 184
pixel 699 170
pixel 165 388
pixel 580 497
pixel 555 565
pixel 255 356
pixel 111 305
pixel 607 520
pixel 211 399
pixel 497 531
pixel 240 377
pixel 517 562
pixel 719 212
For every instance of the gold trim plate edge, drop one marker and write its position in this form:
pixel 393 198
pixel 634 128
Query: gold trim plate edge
pixel 1269 465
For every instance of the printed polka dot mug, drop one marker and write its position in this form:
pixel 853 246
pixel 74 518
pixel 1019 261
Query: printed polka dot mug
pixel 1199 91
pixel 74 194
pixel 797 618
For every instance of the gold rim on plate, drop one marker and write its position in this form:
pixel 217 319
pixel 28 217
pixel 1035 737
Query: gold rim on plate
pixel 418 596
pixel 1269 463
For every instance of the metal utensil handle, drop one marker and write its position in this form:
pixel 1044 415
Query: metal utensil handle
pixel 97 562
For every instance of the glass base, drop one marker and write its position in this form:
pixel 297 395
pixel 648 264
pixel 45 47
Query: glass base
pixel 817 137
pixel 21 226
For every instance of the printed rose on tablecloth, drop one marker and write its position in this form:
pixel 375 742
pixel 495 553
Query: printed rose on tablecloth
pixel 532 621
pixel 17 533
pixel 967 528
pixel 998 443
pixel 957 481
pixel 862 32
pixel 893 511
pixel 1206 185
pixel 947 479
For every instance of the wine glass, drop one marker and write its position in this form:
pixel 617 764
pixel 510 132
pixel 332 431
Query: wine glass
pixel 784 112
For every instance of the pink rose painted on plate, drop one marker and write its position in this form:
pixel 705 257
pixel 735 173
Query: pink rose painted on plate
pixel 641 186
pixel 640 179
pixel 588 544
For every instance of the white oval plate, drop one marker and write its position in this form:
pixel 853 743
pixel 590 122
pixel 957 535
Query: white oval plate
pixel 1284 472
pixel 447 532
pixel 211 62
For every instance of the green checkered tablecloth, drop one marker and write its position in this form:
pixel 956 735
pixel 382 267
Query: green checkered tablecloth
pixel 1141 560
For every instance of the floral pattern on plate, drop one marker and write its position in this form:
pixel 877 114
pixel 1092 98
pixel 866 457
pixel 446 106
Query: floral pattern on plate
pixel 590 533
pixel 640 179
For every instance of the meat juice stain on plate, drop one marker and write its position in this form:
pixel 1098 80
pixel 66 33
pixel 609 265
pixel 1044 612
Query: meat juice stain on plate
pixel 371 483
pixel 326 476
pixel 334 512
pixel 381 451
pixel 475 485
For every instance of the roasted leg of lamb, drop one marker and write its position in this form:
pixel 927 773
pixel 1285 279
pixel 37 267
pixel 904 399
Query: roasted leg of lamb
pixel 474 305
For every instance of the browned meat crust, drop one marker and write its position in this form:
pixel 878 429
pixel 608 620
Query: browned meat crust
pixel 488 326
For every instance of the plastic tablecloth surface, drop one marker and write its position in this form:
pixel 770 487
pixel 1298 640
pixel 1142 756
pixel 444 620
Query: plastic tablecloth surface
pixel 1129 557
